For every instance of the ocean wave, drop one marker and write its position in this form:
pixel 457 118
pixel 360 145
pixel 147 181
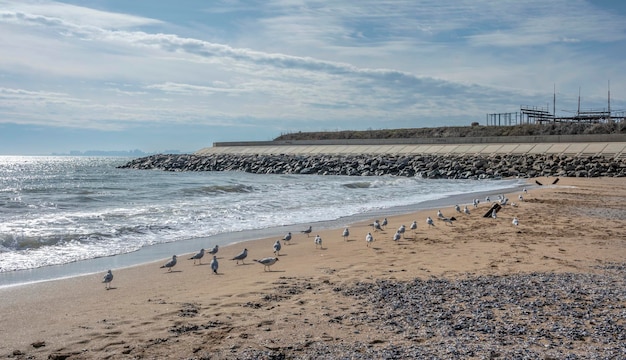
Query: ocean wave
pixel 219 189
pixel 358 185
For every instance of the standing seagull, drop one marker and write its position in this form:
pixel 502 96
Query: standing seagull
pixel 307 231
pixel 287 238
pixel 108 277
pixel 414 226
pixel 170 264
pixel 384 223
pixel 346 233
pixel 515 221
pixel 457 208
pixel 267 262
pixel 466 210
pixel 198 256
pixel 214 265
pixel 494 214
pixel 214 250
pixel 369 238
pixel 396 236
pixel 430 221
pixel 277 248
pixel 241 256
pixel 475 203
pixel 401 230
pixel 318 241
pixel 439 214
pixel 376 225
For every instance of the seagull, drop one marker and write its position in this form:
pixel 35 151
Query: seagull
pixel 241 256
pixel 439 214
pixel 515 221
pixel 198 256
pixel 487 199
pixel 520 197
pixel 277 247
pixel 401 230
pixel 476 202
pixel 267 262
pixel 414 226
pixel 494 214
pixel 346 233
pixel 369 238
pixel 318 241
pixel 384 222
pixel 170 264
pixel 108 277
pixel 377 226
pixel 397 236
pixel 214 264
pixel 287 237
pixel 307 231
pixel 449 220
pixel 430 221
pixel 466 210
pixel 525 191
pixel 504 201
pixel 214 250
pixel 457 208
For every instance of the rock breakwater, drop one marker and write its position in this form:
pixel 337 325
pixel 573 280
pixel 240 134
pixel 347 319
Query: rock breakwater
pixel 426 166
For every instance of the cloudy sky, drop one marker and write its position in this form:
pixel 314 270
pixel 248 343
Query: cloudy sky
pixel 179 75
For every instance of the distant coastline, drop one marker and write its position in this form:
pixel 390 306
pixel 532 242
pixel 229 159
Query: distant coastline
pixel 125 153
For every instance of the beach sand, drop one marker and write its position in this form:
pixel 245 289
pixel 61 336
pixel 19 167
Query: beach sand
pixel 315 303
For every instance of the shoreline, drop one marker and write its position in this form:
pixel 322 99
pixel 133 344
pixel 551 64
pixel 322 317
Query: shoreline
pixel 158 252
pixel 479 280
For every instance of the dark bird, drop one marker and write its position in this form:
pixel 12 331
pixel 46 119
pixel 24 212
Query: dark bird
pixel 170 264
pixel 241 256
pixel 307 231
pixel 198 256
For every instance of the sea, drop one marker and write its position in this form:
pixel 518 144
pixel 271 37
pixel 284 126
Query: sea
pixel 64 216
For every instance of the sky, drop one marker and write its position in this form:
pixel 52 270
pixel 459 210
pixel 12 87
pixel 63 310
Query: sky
pixel 152 75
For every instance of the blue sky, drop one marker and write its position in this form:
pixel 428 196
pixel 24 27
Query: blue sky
pixel 157 75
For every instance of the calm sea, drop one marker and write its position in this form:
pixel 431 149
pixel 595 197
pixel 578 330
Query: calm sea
pixel 60 210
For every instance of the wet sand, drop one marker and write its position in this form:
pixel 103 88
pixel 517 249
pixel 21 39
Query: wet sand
pixel 317 303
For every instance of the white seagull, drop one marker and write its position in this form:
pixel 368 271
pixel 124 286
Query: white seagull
pixel 520 197
pixel 198 256
pixel 515 221
pixel 214 250
pixel 439 214
pixel 397 236
pixel 307 231
pixel 214 264
pixel 277 247
pixel 466 210
pixel 241 256
pixel 494 214
pixel 267 262
pixel 414 226
pixel 287 238
pixel 170 264
pixel 384 222
pixel 369 238
pixel 430 221
pixel 457 208
pixel 476 202
pixel 108 277
pixel 487 199
pixel 318 241
pixel 346 233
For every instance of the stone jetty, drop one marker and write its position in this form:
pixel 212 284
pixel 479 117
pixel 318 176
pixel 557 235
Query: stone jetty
pixel 431 166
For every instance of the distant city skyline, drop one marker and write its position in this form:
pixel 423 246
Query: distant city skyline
pixel 115 75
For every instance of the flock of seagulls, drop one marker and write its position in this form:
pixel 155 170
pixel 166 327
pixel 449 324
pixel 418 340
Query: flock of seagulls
pixel 267 262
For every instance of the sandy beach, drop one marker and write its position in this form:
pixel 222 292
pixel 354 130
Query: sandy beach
pixel 338 301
